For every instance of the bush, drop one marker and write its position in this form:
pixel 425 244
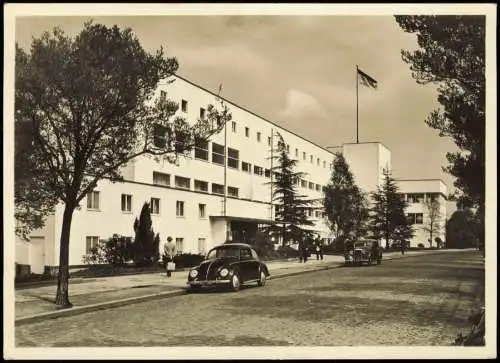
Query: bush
pixel 420 245
pixel 115 251
pixel 262 244
pixel 185 260
pixel 146 246
pixel 287 251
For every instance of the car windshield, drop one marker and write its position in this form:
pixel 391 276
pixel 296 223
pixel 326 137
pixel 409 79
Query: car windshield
pixel 223 251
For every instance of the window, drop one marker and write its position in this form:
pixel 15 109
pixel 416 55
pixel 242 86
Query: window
pixel 415 198
pixel 201 186
pixel 310 212
pixel 267 173
pixel 288 149
pixel 184 105
pixel 419 218
pixel 303 183
pixel 296 181
pixel 179 244
pixel 323 188
pixel 93 200
pixel 247 132
pixel 324 164
pixel 183 183
pixel 258 136
pixel 258 170
pixel 126 203
pixel 311 185
pixel 91 242
pixel 201 149
pixel 179 208
pixel 317 161
pixel 233 156
pixel 303 155
pixel 245 254
pixel 155 206
pixel 217 189
pixel 160 178
pixel 163 95
pixel 432 196
pixel 318 187
pixel 296 152
pixel 232 191
pixel 269 141
pixel 317 214
pixel 202 113
pixel 202 246
pixel 233 126
pixel 218 154
pixel 246 167
pixel 311 158
pixel 202 210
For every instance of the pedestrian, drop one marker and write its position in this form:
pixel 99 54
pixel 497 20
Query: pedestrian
pixel 403 245
pixel 305 252
pixel 169 251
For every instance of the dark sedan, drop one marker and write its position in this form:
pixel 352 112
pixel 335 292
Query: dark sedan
pixel 231 265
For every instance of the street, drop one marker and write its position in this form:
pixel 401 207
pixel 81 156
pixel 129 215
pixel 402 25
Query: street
pixel 414 301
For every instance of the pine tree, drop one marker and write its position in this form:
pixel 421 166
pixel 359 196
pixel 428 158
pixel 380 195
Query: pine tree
pixel 388 220
pixel 344 202
pixel 291 207
pixel 146 243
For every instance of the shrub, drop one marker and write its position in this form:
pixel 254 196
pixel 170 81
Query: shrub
pixel 146 246
pixel 287 251
pixel 262 244
pixel 97 255
pixel 118 250
pixel 187 260
pixel 420 245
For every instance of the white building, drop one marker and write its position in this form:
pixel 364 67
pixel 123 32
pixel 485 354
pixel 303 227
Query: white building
pixel 187 198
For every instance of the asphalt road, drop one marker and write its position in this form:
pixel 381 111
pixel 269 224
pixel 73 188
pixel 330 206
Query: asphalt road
pixel 412 301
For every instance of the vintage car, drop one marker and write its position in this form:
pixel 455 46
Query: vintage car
pixel 231 265
pixel 367 250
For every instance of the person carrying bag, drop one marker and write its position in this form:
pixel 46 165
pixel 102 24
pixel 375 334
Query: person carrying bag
pixel 169 251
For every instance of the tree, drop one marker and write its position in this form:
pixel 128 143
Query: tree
pixel 291 207
pixel 146 246
pixel 388 220
pixel 344 202
pixel 434 218
pixel 90 104
pixel 460 230
pixel 452 54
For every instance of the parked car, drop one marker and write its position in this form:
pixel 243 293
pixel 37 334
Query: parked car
pixel 231 265
pixel 366 250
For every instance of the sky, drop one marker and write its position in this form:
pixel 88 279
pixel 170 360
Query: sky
pixel 299 72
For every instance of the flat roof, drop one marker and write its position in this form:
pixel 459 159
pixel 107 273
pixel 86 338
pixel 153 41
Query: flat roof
pixel 250 112
pixel 425 179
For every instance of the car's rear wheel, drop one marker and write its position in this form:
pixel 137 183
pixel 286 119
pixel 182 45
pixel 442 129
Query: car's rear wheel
pixel 235 282
pixel 262 279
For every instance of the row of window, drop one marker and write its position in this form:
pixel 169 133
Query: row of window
pixel 154 205
pixel 420 197
pixel 310 212
pixel 92 242
pixel 258 134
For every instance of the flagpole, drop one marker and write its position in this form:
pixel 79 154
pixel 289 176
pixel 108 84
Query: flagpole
pixel 357 107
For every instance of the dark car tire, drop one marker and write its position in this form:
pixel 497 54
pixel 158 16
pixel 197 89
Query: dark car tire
pixel 262 279
pixel 235 282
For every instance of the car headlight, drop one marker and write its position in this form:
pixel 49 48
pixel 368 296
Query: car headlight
pixel 224 272
pixel 193 273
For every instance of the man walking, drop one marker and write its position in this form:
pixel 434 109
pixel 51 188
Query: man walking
pixel 170 251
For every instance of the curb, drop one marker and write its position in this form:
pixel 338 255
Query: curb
pixel 161 295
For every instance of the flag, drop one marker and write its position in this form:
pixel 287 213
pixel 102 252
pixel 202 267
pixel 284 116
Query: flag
pixel 220 88
pixel 366 80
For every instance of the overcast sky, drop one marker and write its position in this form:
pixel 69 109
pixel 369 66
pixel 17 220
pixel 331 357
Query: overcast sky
pixel 299 71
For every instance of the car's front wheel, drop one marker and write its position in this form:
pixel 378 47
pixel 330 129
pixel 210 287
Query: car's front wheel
pixel 235 283
pixel 262 279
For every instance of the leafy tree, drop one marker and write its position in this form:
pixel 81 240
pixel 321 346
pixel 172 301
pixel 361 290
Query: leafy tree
pixel 90 104
pixel 460 230
pixel 452 54
pixel 434 218
pixel 146 246
pixel 291 207
pixel 388 220
pixel 344 202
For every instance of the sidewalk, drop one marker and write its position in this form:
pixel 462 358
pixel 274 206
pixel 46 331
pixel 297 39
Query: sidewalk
pixel 35 304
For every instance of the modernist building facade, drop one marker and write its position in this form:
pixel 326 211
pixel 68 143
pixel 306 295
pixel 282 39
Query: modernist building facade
pixel 187 198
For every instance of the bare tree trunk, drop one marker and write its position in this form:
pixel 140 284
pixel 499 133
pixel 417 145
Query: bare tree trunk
pixel 62 295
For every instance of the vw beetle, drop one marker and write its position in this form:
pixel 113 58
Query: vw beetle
pixel 231 265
